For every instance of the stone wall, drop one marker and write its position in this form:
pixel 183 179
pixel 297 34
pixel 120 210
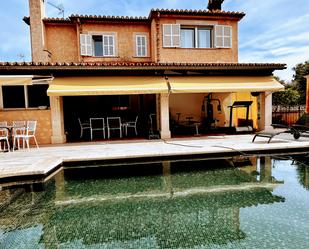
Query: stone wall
pixel 44 129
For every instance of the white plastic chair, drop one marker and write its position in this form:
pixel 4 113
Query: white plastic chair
pixel 83 126
pixel 130 124
pixel 29 133
pixel 4 136
pixel 19 128
pixel 3 123
pixel 97 124
pixel 114 123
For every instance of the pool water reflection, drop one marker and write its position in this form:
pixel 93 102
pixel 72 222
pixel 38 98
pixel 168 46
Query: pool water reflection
pixel 252 203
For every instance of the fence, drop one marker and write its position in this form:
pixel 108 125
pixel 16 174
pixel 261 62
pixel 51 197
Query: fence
pixel 287 115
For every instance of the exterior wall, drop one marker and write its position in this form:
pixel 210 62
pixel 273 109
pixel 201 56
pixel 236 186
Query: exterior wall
pixel 61 42
pixel 155 39
pixel 124 40
pixel 44 129
pixel 241 112
pixel 199 55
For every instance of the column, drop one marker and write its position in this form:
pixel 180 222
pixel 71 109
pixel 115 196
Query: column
pixel 164 116
pixel 167 178
pixel 60 186
pixel 265 169
pixel 56 107
pixel 307 94
pixel 265 111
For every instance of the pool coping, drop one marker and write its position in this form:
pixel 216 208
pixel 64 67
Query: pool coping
pixel 58 163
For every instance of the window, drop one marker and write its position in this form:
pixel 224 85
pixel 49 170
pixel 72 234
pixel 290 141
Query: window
pixel 196 37
pixel 97 45
pixel 13 96
pixel 204 38
pixel 141 45
pixel 85 45
pixel 223 36
pixel 37 96
pixel 108 45
pixel 31 96
pixel 187 38
pixel 171 35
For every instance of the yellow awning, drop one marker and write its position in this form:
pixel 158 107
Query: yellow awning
pixel 204 84
pixel 112 85
pixel 14 80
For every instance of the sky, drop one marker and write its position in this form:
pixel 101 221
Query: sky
pixel 271 31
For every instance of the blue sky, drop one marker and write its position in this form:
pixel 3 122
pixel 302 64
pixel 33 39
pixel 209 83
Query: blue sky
pixel 271 31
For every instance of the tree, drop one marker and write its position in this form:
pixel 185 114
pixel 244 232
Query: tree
pixel 288 97
pixel 299 82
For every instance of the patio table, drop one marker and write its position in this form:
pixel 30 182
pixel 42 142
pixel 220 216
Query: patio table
pixel 191 123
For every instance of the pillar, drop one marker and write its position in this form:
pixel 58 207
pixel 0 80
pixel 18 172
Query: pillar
pixel 265 169
pixel 164 116
pixel 167 177
pixel 265 120
pixel 60 186
pixel 307 94
pixel 56 107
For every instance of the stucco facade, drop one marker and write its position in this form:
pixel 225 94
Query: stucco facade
pixel 164 44
pixel 60 38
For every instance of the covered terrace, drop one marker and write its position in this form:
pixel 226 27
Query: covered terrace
pixel 174 93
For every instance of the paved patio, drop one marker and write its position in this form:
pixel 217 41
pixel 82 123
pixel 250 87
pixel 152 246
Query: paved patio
pixel 48 158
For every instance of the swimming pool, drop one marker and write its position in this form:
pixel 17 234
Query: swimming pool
pixel 235 203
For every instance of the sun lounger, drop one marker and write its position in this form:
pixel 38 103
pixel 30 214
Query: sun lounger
pixel 275 131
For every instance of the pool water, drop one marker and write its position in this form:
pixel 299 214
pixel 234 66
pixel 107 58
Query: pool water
pixel 239 203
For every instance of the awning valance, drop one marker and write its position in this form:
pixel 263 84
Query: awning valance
pixel 111 85
pixel 203 84
pixel 16 80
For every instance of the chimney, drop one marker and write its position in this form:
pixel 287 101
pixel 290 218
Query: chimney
pixel 214 5
pixel 37 31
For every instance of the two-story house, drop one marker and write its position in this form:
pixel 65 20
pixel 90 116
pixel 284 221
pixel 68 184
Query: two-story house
pixel 179 65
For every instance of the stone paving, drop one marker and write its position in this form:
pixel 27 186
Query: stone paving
pixel 41 161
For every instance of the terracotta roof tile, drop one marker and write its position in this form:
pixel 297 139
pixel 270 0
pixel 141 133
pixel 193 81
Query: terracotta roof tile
pixel 152 14
pixel 141 64
pixel 199 12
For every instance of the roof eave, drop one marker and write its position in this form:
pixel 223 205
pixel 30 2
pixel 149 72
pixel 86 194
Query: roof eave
pixel 154 13
pixel 54 68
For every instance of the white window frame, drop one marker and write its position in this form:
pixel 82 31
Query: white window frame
pixel 194 38
pixel 196 35
pixel 86 47
pixel 223 36
pixel 171 35
pixel 87 44
pixel 141 46
pixel 108 45
pixel 211 28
